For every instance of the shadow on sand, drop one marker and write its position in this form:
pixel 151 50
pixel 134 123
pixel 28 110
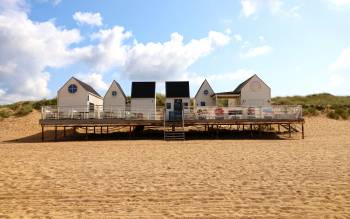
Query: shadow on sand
pixel 148 135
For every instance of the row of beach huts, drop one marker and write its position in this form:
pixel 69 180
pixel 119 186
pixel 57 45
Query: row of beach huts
pixel 77 96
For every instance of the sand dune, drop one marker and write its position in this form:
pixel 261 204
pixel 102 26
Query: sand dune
pixel 156 179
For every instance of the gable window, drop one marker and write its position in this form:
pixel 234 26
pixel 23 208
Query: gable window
pixel 206 92
pixel 202 103
pixel 114 93
pixel 168 105
pixel 72 88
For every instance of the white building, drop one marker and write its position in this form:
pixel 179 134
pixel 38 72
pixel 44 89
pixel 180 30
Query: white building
pixel 177 94
pixel 114 101
pixel 143 100
pixel 204 95
pixel 251 92
pixel 76 98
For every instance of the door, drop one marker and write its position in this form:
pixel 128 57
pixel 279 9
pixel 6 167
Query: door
pixel 178 109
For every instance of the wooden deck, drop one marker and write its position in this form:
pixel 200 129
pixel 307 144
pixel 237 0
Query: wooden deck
pixel 244 124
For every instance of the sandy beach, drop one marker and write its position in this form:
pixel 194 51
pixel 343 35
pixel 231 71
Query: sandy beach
pixel 155 179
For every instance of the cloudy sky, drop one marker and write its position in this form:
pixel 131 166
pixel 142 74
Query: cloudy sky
pixel 298 47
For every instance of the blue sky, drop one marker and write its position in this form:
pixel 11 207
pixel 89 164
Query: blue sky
pixel 296 47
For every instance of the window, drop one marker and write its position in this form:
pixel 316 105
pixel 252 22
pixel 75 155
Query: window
pixel 168 105
pixel 206 92
pixel 72 88
pixel 114 93
pixel 202 103
pixel 185 104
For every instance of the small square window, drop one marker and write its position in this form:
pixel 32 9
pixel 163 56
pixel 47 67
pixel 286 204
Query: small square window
pixel 114 93
pixel 168 105
pixel 202 103
pixel 206 92
pixel 185 104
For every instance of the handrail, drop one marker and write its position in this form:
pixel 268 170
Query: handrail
pixel 159 113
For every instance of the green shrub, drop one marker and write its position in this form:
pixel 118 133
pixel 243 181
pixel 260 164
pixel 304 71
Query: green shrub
pixel 5 113
pixel 333 115
pixel 38 104
pixel 25 109
pixel 310 112
pixel 344 114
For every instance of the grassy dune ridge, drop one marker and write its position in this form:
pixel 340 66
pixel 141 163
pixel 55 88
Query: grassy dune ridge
pixel 335 107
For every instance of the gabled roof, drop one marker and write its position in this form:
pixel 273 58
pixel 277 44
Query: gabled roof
pixel 143 89
pixel 87 87
pixel 205 80
pixel 119 87
pixel 241 85
pixel 177 89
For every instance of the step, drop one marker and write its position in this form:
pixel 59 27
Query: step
pixel 174 135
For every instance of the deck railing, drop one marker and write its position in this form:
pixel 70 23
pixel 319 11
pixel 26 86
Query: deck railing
pixel 189 113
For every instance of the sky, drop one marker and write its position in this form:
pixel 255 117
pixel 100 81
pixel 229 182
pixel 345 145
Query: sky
pixel 297 47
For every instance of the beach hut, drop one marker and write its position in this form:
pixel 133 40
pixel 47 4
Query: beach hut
pixel 114 101
pixel 76 98
pixel 177 94
pixel 251 92
pixel 204 96
pixel 143 100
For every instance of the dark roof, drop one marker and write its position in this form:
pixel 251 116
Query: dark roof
pixel 87 87
pixel 177 89
pixel 143 89
pixel 240 86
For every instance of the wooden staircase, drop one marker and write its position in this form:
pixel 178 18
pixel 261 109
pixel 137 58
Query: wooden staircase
pixel 174 130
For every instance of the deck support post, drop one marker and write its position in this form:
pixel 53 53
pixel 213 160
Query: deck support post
pixel 279 129
pixel 55 133
pixel 290 133
pixel 251 130
pixel 101 130
pixel 107 130
pixel 243 128
pixel 42 133
pixel 64 131
pixel 302 130
pixel 94 130
pixel 86 132
pixel 129 131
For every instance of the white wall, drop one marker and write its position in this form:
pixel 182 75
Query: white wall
pixel 146 106
pixel 77 100
pixel 209 101
pixel 171 101
pixel 255 93
pixel 114 103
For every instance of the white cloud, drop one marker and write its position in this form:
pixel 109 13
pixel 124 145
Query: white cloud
pixel 26 50
pixel 161 61
pixel 92 19
pixel 257 51
pixel 278 7
pixel 109 52
pixel 342 62
pixel 335 80
pixel 95 80
pixel 249 7
pixel 340 3
pixel 238 37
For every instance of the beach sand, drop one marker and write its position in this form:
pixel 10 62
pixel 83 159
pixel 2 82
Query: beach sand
pixel 307 178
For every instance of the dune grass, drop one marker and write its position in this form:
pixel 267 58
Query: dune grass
pixel 335 107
